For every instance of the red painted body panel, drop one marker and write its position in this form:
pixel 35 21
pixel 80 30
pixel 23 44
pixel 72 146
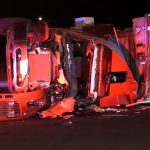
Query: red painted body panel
pixel 17 104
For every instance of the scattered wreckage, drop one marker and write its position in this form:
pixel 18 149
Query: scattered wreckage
pixel 52 71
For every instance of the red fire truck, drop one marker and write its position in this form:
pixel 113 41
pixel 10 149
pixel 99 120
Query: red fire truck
pixel 96 63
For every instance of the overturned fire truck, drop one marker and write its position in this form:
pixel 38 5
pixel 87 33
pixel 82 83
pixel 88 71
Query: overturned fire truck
pixel 95 64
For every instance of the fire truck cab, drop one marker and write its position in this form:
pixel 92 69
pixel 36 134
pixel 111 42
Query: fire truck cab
pixel 22 93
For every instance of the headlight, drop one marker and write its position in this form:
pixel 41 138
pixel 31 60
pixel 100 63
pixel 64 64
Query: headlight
pixel 36 103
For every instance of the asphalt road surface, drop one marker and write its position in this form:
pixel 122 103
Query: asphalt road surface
pixel 121 130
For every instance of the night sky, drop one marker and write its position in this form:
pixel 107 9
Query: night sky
pixel 61 13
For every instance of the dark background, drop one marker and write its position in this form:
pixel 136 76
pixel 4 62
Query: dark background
pixel 61 13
